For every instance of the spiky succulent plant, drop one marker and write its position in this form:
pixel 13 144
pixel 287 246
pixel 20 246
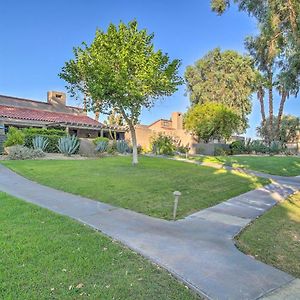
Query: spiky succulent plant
pixel 40 142
pixel 68 145
pixel 122 146
pixel 102 146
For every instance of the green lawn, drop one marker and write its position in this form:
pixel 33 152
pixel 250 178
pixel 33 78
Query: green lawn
pixel 275 165
pixel 47 256
pixel 146 188
pixel 275 237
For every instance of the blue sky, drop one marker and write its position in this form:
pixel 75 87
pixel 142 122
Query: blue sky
pixel 37 38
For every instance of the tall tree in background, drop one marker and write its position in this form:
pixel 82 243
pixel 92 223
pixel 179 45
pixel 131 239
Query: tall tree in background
pixel 276 50
pixel 223 77
pixel 121 71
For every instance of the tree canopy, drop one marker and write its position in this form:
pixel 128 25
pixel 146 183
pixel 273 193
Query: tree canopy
pixel 275 50
pixel 121 71
pixel 223 77
pixel 211 121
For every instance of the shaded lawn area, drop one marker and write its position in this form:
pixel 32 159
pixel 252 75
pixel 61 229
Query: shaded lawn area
pixel 275 165
pixel 274 238
pixel 47 256
pixel 147 188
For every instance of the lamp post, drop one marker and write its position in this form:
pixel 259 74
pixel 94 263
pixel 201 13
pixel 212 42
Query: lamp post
pixel 176 194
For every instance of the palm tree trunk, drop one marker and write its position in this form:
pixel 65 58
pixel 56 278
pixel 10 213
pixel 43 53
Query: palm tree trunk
pixel 260 96
pixel 280 111
pixel 271 109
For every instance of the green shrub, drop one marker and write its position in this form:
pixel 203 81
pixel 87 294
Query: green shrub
pixel 19 152
pixel 14 137
pixel 68 145
pixel 112 147
pixel 163 144
pixel 100 139
pixel 182 149
pixel 258 147
pixel 44 131
pixel 219 151
pixel 275 148
pixel 52 142
pixel 238 147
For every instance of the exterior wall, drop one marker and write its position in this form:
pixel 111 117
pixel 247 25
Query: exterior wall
pixel 2 136
pixel 177 120
pixel 86 133
pixel 145 133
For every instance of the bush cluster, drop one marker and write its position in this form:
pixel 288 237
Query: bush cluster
pixel 52 142
pixel 53 136
pixel 100 139
pixel 31 143
pixel 162 145
pixel 19 152
pixel 257 147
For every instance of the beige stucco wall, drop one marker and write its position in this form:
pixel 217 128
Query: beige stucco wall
pixel 144 135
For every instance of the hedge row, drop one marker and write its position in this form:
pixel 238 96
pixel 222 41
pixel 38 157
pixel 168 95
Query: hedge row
pixel 44 131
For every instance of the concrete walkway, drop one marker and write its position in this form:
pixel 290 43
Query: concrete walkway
pixel 199 249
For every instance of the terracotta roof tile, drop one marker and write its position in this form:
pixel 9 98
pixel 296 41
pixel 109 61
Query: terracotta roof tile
pixel 45 116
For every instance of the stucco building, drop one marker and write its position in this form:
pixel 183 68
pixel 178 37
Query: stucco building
pixel 54 113
pixel 172 127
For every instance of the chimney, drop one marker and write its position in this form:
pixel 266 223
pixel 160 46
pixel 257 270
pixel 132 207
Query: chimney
pixel 177 120
pixel 56 98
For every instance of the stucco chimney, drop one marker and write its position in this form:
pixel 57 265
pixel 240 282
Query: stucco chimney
pixel 177 120
pixel 56 98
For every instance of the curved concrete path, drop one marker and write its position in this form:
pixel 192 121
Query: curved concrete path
pixel 199 249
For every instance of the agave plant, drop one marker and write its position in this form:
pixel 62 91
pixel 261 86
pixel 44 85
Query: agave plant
pixel 122 146
pixel 68 144
pixel 102 146
pixel 40 143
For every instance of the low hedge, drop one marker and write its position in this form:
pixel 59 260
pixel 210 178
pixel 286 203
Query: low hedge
pixel 44 131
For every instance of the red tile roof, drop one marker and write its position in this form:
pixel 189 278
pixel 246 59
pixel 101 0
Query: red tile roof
pixel 45 116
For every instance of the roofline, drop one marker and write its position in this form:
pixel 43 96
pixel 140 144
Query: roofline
pixel 51 112
pixel 158 121
pixel 35 101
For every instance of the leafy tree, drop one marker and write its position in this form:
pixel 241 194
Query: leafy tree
pixel 121 71
pixel 276 50
pixel 288 132
pixel 223 77
pixel 211 121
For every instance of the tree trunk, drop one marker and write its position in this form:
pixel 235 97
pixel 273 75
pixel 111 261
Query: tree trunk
pixel 134 145
pixel 271 112
pixel 260 96
pixel 133 137
pixel 280 111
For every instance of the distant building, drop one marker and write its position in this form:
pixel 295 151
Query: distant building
pixel 54 113
pixel 172 127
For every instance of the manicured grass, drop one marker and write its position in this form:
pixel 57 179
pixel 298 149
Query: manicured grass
pixel 47 256
pixel 275 237
pixel 147 188
pixel 275 165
